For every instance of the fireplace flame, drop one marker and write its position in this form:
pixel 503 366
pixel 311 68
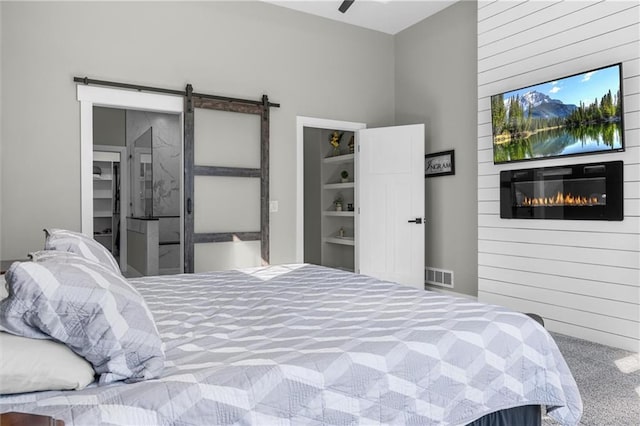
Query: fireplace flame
pixel 561 199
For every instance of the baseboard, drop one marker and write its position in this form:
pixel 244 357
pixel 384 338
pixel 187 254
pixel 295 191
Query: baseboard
pixel 428 286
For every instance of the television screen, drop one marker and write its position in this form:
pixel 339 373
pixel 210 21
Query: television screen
pixel 579 114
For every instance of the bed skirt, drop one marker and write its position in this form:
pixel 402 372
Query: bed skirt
pixel 527 415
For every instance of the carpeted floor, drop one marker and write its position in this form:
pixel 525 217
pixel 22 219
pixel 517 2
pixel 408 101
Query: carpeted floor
pixel 608 379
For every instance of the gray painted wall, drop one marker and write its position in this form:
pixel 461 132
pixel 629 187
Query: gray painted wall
pixel 109 126
pixel 312 196
pixel 2 176
pixel 436 84
pixel 312 66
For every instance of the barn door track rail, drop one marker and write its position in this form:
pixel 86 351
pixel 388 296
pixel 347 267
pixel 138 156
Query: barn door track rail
pixel 221 103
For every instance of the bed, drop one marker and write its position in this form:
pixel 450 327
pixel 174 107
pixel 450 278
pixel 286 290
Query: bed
pixel 291 344
pixel 305 344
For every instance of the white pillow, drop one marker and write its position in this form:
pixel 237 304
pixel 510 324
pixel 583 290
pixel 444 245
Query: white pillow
pixel 28 365
pixel 90 308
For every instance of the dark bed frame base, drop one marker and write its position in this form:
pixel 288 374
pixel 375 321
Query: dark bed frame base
pixel 527 415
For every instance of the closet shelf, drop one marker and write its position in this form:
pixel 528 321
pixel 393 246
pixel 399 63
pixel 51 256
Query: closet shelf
pixel 337 183
pixel 102 194
pixel 102 214
pixel 347 241
pixel 341 185
pixel 334 213
pixel 346 158
pixel 105 178
pixel 104 191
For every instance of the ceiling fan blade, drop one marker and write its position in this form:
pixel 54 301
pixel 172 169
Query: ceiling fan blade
pixel 346 4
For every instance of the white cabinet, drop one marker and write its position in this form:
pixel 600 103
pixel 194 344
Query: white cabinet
pixel 338 205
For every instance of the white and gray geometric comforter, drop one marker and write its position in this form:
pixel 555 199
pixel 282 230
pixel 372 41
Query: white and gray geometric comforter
pixel 303 344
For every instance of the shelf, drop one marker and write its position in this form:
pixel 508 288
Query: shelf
pixel 346 158
pixel 102 194
pixel 102 214
pixel 334 213
pixel 335 251
pixel 340 185
pixel 101 178
pixel 102 235
pixel 347 241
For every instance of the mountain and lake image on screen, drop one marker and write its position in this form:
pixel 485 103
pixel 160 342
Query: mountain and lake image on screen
pixel 579 114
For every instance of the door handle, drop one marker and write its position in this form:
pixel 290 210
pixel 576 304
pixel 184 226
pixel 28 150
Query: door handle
pixel 189 206
pixel 417 221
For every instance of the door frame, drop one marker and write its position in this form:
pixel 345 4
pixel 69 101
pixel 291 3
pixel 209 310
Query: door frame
pixel 90 96
pixel 318 123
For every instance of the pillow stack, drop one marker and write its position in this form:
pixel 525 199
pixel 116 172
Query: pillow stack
pixel 80 244
pixel 73 293
pixel 23 368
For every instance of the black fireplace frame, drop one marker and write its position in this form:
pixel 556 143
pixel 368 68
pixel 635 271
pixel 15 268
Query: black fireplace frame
pixel 612 210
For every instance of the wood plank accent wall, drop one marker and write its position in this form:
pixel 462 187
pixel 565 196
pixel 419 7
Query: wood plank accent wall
pixel 583 277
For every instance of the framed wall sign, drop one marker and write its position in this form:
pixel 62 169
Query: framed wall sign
pixel 439 164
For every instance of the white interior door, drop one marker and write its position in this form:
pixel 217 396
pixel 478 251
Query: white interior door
pixel 391 199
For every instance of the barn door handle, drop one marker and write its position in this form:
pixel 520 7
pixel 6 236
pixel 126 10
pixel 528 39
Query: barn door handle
pixel 189 206
pixel 417 221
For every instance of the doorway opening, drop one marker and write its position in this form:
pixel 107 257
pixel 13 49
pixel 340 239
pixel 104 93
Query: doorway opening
pixel 388 198
pixel 135 236
pixel 327 225
pixel 136 198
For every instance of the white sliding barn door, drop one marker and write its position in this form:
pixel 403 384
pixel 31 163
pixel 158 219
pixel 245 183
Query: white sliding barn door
pixel 391 199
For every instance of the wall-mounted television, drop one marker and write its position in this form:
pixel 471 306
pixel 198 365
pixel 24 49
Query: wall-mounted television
pixel 574 115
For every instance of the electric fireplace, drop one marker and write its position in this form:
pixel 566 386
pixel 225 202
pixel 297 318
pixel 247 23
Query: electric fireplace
pixel 573 192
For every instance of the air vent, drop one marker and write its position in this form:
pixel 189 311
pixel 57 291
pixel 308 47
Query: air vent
pixel 439 277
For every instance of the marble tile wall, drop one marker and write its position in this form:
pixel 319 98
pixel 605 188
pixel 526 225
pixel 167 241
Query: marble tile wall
pixel 167 157
pixel 167 168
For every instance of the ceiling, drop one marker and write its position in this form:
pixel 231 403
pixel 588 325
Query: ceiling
pixel 390 16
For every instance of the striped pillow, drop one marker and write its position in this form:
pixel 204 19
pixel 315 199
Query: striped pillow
pixel 88 307
pixel 75 242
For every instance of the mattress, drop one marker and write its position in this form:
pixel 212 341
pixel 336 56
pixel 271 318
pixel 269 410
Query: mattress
pixel 305 344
